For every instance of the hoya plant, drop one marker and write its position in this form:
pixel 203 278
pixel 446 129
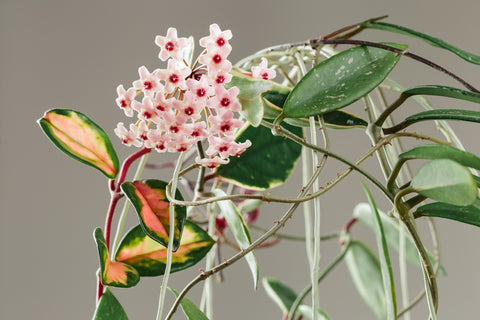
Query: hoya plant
pixel 239 131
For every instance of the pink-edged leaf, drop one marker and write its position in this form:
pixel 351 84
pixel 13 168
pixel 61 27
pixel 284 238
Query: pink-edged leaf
pixel 113 273
pixel 80 138
pixel 149 199
pixel 149 257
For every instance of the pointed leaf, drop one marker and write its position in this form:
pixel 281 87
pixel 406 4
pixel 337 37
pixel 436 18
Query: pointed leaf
pixel 149 199
pixel 363 213
pixel 109 308
pixel 239 229
pixel 80 138
pixel 446 181
pixel 470 57
pixel 366 274
pixel 386 266
pixel 466 214
pixel 149 257
pixel 440 114
pixel 115 274
pixel 340 119
pixel 306 312
pixel 189 308
pixel 443 91
pixel 281 294
pixel 250 96
pixel 340 80
pixel 267 163
pixel 438 151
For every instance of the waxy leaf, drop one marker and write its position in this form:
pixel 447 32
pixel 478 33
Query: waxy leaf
pixel 470 57
pixel 366 274
pixel 109 308
pixel 239 229
pixel 113 273
pixel 149 199
pixel 273 103
pixel 189 308
pixel 250 96
pixel 466 214
pixel 340 80
pixel 149 257
pixel 446 181
pixel 439 114
pixel 267 163
pixel 80 138
pixel 284 297
pixel 385 264
pixel 363 213
pixel 443 91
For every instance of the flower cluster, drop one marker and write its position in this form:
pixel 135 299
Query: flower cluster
pixel 182 105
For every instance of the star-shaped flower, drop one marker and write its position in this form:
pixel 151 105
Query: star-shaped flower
pixel 171 45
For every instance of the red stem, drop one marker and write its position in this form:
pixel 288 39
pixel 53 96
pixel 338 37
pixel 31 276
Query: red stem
pixel 115 195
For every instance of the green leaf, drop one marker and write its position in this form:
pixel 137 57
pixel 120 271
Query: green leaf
pixel 339 119
pixel 443 91
pixel 80 138
pixel 385 264
pixel 109 308
pixel 189 308
pixel 239 229
pixel 340 80
pixel 149 257
pixel 466 214
pixel 113 273
pixel 366 274
pixel 281 294
pixel 446 181
pixel 284 296
pixel 250 96
pixel 439 114
pixel 267 163
pixel 470 57
pixel 363 213
pixel 149 199
pixel 438 151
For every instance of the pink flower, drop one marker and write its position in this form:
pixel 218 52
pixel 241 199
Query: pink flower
pixel 225 99
pixel 128 137
pixel 157 139
pixel 189 106
pixel 262 71
pixel 224 122
pixel 220 77
pixel 200 88
pixel 171 46
pixel 148 82
pixel 145 109
pixel 141 130
pixel 174 124
pixel 198 130
pixel 216 60
pixel 174 76
pixel 211 162
pixel 217 37
pixel 125 98
pixel 222 146
pixel 161 104
pixel 180 143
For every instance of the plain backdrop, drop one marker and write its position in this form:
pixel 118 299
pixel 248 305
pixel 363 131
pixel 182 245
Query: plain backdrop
pixel 73 54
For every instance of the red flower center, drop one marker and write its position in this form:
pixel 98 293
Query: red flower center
pixel 160 107
pixel 201 92
pixel 173 78
pixel 123 103
pixel 225 127
pixel 265 76
pixel 225 102
pixel 174 129
pixel 223 148
pixel 220 79
pixel 147 85
pixel 169 46
pixel 217 58
pixel 189 111
pixel 220 42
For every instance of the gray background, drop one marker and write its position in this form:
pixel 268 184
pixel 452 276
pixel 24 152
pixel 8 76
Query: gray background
pixel 73 54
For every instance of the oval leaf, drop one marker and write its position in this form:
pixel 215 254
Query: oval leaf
pixel 115 274
pixel 189 308
pixel 149 199
pixel 250 95
pixel 466 214
pixel 385 264
pixel 446 181
pixel 281 294
pixel 339 81
pixel 470 57
pixel 109 308
pixel 363 213
pixel 366 274
pixel 149 257
pixel 440 114
pixel 267 163
pixel 239 229
pixel 80 138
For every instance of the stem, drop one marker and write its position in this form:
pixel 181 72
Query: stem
pixel 171 237
pixel 306 290
pixel 115 195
